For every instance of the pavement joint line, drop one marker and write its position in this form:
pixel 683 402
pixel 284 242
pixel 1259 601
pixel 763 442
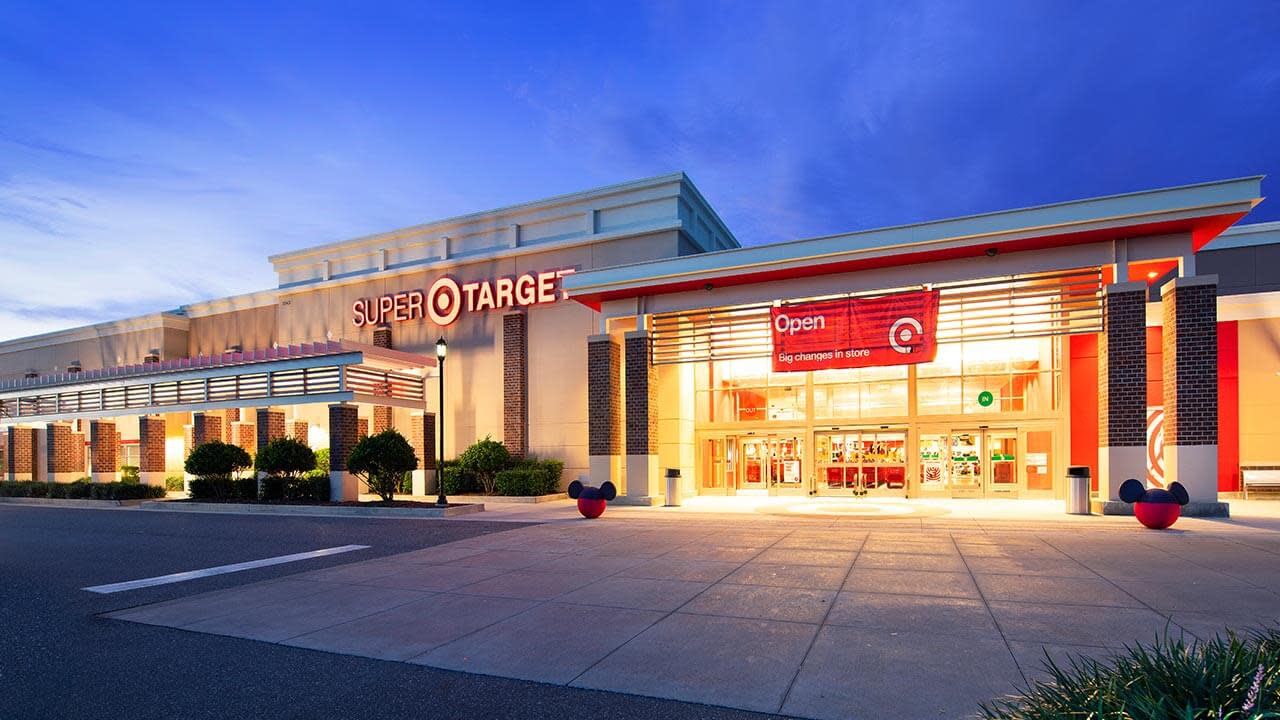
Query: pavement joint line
pixel 986 604
pixel 540 603
pixel 682 605
pixel 825 616
pixel 1166 614
pixel 219 570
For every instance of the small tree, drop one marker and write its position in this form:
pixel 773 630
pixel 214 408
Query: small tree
pixel 216 465
pixel 485 459
pixel 380 461
pixel 285 461
pixel 285 457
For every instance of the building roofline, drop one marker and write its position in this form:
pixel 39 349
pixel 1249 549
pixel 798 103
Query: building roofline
pixel 1247 235
pixel 107 328
pixel 459 220
pixel 1226 197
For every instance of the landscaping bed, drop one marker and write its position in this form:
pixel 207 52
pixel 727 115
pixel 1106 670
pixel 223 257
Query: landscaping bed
pixel 1236 677
pixel 79 490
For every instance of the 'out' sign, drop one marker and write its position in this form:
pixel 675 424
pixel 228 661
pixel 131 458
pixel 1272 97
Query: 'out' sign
pixel 445 300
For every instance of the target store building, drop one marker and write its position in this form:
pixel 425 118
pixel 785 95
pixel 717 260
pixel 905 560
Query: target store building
pixel 627 332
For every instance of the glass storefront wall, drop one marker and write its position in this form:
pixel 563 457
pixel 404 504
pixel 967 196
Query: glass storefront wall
pixel 982 420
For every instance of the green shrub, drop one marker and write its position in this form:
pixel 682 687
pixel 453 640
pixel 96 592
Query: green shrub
pixel 174 483
pixel 285 456
pixel 1236 677
pixel 322 461
pixel 406 484
pixel 485 459
pixel 312 486
pixel 80 490
pixel 456 480
pixel 285 461
pixel 381 461
pixel 77 490
pixel 130 474
pixel 216 466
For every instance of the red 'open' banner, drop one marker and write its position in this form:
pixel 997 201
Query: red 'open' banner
pixel 896 329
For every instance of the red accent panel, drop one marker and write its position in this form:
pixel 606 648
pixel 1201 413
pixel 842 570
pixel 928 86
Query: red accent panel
pixel 1155 367
pixel 1202 227
pixel 1083 359
pixel 1228 407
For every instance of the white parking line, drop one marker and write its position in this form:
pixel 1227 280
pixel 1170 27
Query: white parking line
pixel 220 570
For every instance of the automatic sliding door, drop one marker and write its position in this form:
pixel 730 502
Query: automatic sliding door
pixel 1003 449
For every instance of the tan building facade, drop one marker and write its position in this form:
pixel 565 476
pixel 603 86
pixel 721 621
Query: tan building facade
pixel 625 331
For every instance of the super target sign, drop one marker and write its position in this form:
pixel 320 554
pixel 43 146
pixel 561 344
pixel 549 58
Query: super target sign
pixel 896 329
pixel 447 298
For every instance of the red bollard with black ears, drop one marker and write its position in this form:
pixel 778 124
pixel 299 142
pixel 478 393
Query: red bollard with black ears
pixel 592 500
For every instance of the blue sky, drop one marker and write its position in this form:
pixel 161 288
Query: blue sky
pixel 155 154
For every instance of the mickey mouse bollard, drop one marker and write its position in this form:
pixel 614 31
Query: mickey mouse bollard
pixel 592 500
pixel 1155 508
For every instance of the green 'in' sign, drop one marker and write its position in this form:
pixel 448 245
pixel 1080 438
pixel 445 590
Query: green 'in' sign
pixel 985 398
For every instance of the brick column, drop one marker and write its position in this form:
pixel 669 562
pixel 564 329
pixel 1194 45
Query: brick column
pixel 422 436
pixel 244 435
pixel 382 419
pixel 270 426
pixel 4 454
pixel 515 383
pixel 300 430
pixel 22 457
pixel 344 433
pixel 104 448
pixel 151 455
pixel 1189 355
pixel 362 427
pixel 382 416
pixel 604 410
pixel 641 420
pixel 205 428
pixel 230 416
pixel 1122 389
pixel 65 453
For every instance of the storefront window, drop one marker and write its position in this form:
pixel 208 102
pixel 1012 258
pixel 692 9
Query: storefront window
pixel 746 391
pixel 989 377
pixel 864 393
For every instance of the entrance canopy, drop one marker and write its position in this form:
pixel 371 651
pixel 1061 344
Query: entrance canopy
pixel 328 372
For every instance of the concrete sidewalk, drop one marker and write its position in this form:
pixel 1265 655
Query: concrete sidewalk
pixel 822 617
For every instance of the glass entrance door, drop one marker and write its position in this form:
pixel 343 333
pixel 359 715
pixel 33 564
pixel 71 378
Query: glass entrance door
pixel 1002 446
pixel 786 465
pixel 861 462
pixel 973 463
pixel 754 467
pixel 967 468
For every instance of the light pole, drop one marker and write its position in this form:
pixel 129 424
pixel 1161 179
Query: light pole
pixel 442 348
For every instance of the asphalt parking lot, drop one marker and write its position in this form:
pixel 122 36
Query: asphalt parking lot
pixel 60 659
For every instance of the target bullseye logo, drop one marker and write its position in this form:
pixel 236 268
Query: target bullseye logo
pixel 902 332
pixel 444 301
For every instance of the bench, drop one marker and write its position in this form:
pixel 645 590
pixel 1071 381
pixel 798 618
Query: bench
pixel 1262 476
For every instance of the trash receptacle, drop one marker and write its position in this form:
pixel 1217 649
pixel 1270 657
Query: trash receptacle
pixel 674 493
pixel 1078 490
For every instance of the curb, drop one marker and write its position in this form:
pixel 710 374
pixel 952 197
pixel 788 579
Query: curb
pixel 69 502
pixel 310 510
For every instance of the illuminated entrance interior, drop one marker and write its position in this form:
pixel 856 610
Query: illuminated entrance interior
pixel 984 419
pixel 750 464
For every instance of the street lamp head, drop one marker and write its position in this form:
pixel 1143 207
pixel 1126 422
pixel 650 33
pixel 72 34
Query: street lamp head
pixel 442 348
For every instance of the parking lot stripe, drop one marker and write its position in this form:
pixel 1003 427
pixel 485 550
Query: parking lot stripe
pixel 220 570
